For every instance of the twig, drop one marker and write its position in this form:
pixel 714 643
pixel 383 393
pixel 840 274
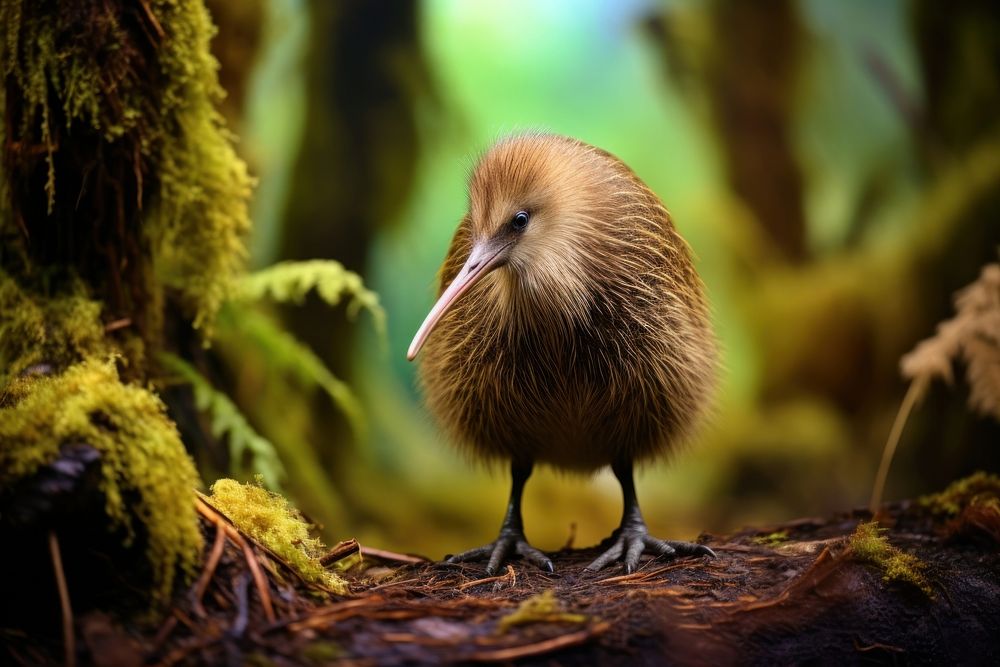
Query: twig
pixel 539 648
pixel 390 584
pixel 258 577
pixel 508 575
pixel 642 576
pixel 163 633
pixel 393 556
pixel 152 19
pixel 69 636
pixel 209 571
pixel 340 552
pixel 209 511
pixel 115 325
pixel 260 582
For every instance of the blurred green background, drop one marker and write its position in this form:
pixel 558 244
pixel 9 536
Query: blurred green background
pixel 834 165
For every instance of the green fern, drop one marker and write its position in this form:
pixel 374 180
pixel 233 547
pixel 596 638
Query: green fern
pixel 229 421
pixel 287 354
pixel 292 281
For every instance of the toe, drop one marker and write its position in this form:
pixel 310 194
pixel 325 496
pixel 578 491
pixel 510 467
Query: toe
pixel 658 547
pixel 612 554
pixel 497 557
pixel 479 553
pixel 535 556
pixel 692 549
pixel 635 549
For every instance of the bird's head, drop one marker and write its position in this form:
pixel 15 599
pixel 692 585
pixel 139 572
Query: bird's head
pixel 539 205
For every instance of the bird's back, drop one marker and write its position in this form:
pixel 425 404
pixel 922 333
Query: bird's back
pixel 618 367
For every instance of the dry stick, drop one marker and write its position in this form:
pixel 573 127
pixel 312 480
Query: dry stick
pixel 212 514
pixel 539 648
pixel 258 576
pixel 390 584
pixel 340 552
pixel 916 389
pixel 642 575
pixel 221 522
pixel 392 555
pixel 69 636
pixel 209 571
pixel 117 324
pixel 163 634
pixel 509 574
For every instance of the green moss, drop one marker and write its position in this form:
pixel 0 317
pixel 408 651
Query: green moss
pixel 978 488
pixel 57 330
pixel 321 653
pixel 772 539
pixel 869 545
pixel 269 519
pixel 141 455
pixel 542 608
pixel 140 80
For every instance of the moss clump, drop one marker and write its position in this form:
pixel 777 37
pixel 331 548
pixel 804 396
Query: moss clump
pixel 772 539
pixel 972 506
pixel 56 330
pixel 145 473
pixel 270 520
pixel 979 488
pixel 869 545
pixel 542 608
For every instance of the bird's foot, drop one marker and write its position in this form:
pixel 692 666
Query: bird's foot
pixel 508 544
pixel 628 543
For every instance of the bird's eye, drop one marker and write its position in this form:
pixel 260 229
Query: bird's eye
pixel 519 221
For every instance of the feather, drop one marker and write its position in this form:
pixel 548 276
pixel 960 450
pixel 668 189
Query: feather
pixel 592 343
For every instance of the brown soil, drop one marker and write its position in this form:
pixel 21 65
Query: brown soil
pixel 782 594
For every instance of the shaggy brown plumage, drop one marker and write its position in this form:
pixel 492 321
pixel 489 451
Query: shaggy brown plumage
pixel 583 338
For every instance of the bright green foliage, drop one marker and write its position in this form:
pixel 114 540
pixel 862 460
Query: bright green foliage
pixel 287 354
pixel 270 520
pixel 227 420
pixel 869 545
pixel 141 454
pixel 979 487
pixel 54 330
pixel 291 281
pixel 544 607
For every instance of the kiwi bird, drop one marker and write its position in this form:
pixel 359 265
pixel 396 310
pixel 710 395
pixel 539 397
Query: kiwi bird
pixel 571 329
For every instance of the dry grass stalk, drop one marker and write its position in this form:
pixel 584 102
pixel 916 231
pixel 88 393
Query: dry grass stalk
pixel 973 336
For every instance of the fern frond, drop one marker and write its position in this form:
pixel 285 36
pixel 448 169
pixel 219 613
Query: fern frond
pixel 227 420
pixel 292 281
pixel 287 354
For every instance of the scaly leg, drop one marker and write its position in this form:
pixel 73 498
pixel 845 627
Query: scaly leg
pixel 632 538
pixel 511 540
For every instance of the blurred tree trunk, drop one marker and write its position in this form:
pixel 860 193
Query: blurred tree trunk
pixel 364 70
pixel 751 81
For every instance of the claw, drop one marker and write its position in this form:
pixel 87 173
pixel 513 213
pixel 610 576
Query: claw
pixel 633 541
pixel 499 551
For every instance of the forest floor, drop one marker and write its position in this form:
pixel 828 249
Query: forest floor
pixel 798 592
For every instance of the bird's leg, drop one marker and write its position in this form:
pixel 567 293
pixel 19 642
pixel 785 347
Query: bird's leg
pixel 631 538
pixel 511 540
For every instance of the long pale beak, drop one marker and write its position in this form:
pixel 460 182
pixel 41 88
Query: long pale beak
pixel 483 258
